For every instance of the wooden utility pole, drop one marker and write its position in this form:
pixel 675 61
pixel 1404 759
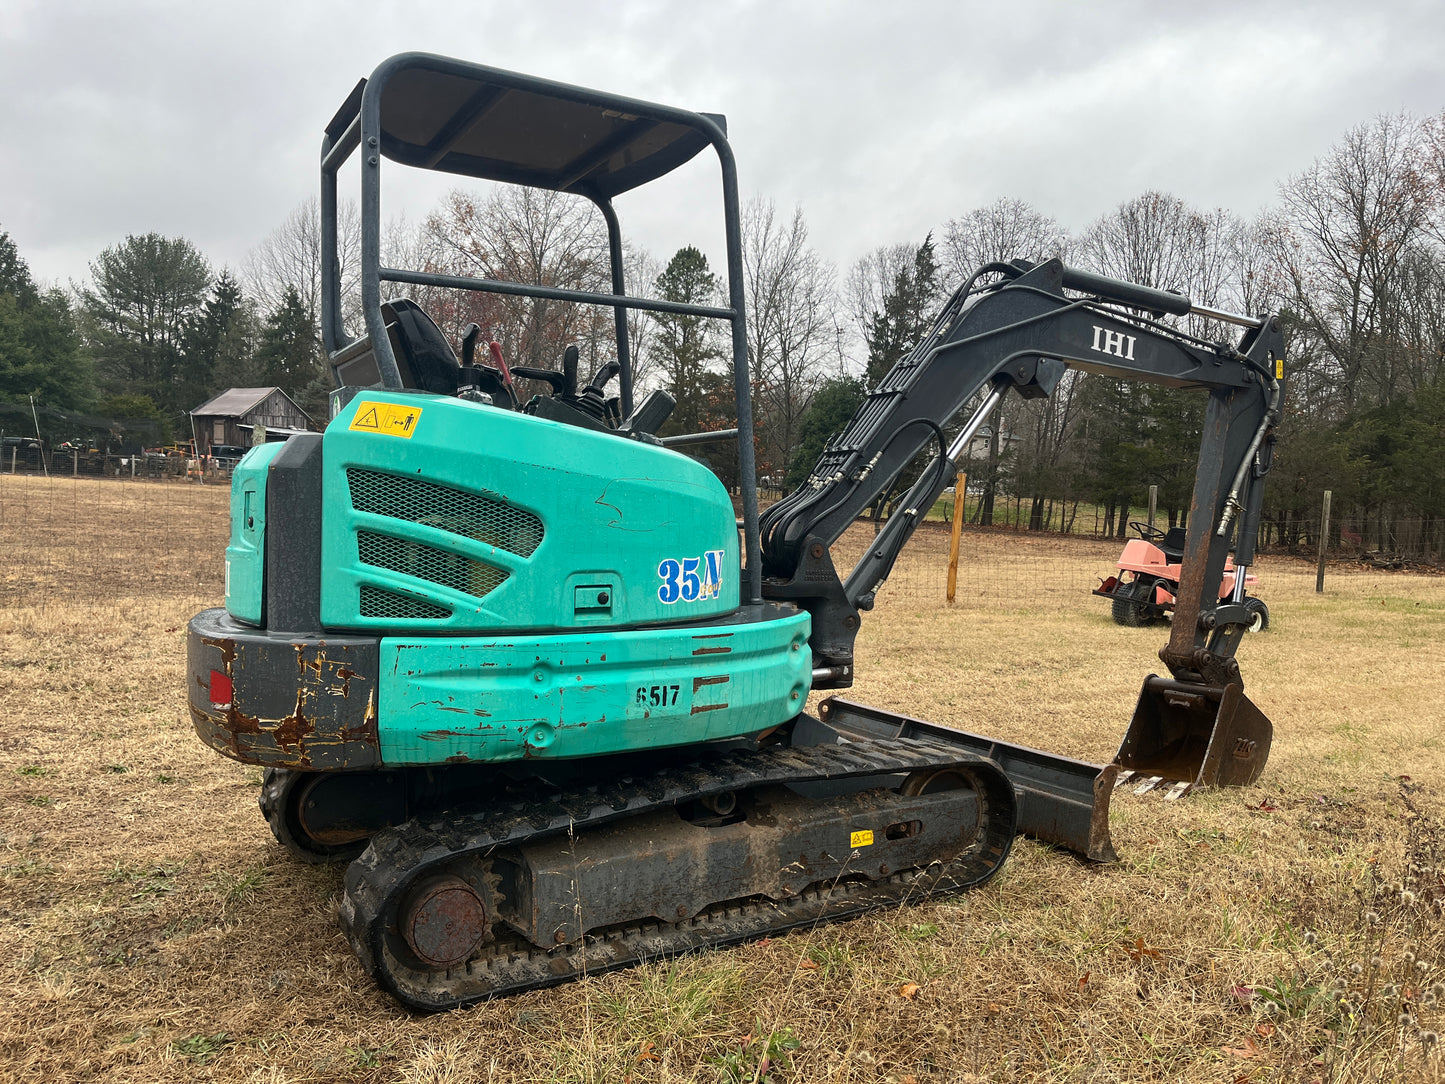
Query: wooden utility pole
pixel 960 492
pixel 1324 544
pixel 1153 503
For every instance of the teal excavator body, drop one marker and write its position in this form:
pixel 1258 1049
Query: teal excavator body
pixel 528 589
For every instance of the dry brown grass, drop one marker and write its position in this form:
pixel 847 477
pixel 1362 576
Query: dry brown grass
pixel 152 930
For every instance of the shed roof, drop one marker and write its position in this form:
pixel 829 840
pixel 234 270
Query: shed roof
pixel 233 402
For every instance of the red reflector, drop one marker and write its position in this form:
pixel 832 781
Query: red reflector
pixel 220 690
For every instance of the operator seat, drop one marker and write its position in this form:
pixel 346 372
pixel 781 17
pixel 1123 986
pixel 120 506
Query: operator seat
pixel 422 352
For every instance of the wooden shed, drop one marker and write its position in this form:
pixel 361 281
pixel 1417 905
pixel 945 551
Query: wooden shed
pixel 229 420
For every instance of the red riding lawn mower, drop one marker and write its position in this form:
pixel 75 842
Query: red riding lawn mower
pixel 1144 590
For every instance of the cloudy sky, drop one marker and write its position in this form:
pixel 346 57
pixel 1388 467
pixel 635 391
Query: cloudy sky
pixel 882 120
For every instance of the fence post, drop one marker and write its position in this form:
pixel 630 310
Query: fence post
pixel 75 462
pixel 1153 503
pixel 1324 544
pixel 960 494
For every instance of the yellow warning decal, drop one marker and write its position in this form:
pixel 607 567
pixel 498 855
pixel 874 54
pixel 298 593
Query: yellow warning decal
pixel 388 418
pixel 861 839
pixel 1279 368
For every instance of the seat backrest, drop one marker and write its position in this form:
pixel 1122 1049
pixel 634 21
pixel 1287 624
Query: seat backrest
pixel 423 356
pixel 1174 539
pixel 422 352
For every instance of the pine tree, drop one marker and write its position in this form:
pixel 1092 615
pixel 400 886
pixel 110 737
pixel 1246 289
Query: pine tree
pixel 685 344
pixel 832 408
pixel 906 314
pixel 287 357
pixel 39 345
pixel 215 337
pixel 147 291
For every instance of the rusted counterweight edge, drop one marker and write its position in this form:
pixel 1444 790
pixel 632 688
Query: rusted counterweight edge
pixel 1061 800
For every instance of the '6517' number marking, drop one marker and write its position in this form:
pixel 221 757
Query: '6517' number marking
pixel 690 579
pixel 657 696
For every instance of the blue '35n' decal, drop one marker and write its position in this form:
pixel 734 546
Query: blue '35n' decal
pixel 691 579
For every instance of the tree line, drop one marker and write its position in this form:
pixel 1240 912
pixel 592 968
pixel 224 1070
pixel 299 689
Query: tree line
pixel 1352 255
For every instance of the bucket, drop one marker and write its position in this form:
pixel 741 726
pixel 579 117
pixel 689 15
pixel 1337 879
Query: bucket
pixel 1195 735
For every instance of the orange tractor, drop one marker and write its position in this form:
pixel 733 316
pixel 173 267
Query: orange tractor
pixel 1144 590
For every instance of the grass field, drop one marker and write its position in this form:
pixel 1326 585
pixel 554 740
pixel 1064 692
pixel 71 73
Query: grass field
pixel 151 930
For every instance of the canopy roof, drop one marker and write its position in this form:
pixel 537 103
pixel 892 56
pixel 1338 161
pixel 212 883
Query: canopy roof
pixel 476 121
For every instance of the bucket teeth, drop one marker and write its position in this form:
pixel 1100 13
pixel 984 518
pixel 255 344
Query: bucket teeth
pixel 1149 783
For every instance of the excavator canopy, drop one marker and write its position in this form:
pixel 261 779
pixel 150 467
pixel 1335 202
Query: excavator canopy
pixel 444 115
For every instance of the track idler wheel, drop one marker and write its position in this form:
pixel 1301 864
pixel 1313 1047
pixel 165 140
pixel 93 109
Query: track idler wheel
pixel 444 920
pixel 283 793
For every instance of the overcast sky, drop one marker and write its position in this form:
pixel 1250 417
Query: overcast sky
pixel 882 120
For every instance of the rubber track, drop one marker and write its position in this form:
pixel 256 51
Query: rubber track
pixel 396 857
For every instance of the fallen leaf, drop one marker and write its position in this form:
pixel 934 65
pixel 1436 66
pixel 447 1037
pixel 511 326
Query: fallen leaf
pixel 1140 950
pixel 909 990
pixel 1248 1050
pixel 807 965
pixel 1083 980
pixel 174 628
pixel 1265 1029
pixel 1265 806
pixel 993 1006
pixel 1243 993
pixel 647 1053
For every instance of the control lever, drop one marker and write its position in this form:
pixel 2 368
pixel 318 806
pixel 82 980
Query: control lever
pixel 470 334
pixel 604 374
pixel 593 400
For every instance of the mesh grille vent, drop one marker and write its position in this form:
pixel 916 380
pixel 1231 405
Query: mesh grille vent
pixel 453 570
pixel 467 514
pixel 387 604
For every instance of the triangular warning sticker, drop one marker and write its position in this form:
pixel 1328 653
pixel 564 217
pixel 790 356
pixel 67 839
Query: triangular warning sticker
pixel 390 419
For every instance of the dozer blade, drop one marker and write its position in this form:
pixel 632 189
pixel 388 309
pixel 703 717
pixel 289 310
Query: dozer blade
pixel 1186 735
pixel 1061 800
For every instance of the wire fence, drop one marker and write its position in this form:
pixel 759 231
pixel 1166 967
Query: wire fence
pixel 87 536
pixel 30 457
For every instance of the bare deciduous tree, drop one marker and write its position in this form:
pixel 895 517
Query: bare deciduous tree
pixel 791 325
pixel 1346 232
pixel 540 238
pixel 1004 230
pixel 869 282
pixel 290 258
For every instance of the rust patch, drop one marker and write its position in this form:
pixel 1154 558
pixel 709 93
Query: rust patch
pixel 698 683
pixel 227 646
pixel 458 758
pixel 713 649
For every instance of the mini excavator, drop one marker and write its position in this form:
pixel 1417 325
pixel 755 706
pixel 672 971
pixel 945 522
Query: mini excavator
pixel 513 662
